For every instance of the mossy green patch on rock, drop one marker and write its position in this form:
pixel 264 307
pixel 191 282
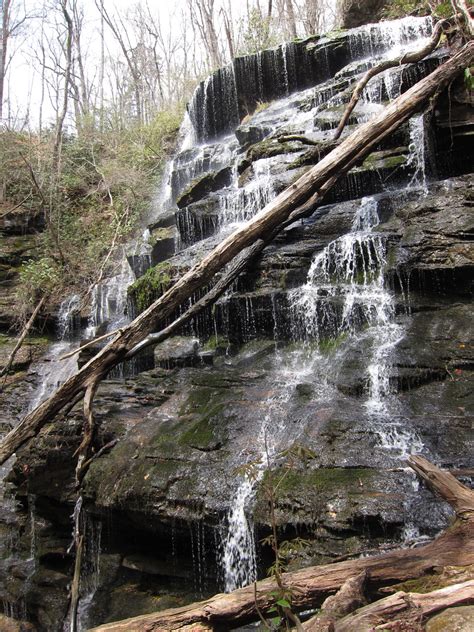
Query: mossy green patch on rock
pixel 269 148
pixel 201 435
pixel 151 285
pixel 321 479
pixel 203 185
pixel 328 345
pixel 388 159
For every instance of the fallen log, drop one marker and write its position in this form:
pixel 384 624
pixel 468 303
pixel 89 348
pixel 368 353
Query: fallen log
pixel 347 599
pixel 409 609
pixel 310 586
pixel 359 144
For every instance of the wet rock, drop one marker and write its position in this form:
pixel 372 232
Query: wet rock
pixel 270 148
pixel 203 185
pixel 357 12
pixel 176 352
pixel 250 134
pixel 20 221
pixel 12 625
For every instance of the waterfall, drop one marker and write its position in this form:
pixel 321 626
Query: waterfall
pixel 51 370
pixel 417 155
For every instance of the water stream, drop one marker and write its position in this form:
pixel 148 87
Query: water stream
pixel 345 298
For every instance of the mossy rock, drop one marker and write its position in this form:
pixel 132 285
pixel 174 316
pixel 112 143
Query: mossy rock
pixel 387 159
pixel 145 290
pixel 459 619
pixel 313 155
pixel 270 148
pixel 202 186
pixel 323 479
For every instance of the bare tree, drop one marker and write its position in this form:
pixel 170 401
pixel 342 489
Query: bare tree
pixel 203 15
pixel 122 35
pixel 14 17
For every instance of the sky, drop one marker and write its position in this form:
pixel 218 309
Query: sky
pixel 24 85
pixel 24 79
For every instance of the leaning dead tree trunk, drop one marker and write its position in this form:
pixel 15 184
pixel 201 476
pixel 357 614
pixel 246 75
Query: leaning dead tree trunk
pixel 310 586
pixel 22 337
pixel 359 144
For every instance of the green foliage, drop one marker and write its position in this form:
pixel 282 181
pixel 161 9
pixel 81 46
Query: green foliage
pixel 37 278
pixel 258 34
pixel 443 10
pixel 91 203
pixel 401 8
pixel 468 79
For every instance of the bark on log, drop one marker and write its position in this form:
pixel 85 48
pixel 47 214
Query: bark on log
pixel 360 143
pixel 22 337
pixel 454 547
pixel 344 602
pixel 409 608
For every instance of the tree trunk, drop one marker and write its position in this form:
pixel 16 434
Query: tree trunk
pixel 454 547
pixel 22 337
pixel 359 144
pixel 3 49
pixel 407 608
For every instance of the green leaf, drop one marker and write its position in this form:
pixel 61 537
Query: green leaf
pixel 468 79
pixel 283 603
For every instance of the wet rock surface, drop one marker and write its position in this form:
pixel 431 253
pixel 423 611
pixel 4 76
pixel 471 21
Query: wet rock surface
pixel 245 381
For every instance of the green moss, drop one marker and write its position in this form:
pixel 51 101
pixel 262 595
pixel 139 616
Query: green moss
pixel 270 148
pixel 323 479
pixel 390 159
pixel 202 432
pixel 151 285
pixel 328 345
pixel 215 342
pixel 163 233
pixel 394 161
pixel 424 584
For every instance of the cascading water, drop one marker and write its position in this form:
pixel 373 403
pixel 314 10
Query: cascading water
pixel 345 295
pixel 52 370
pixel 417 155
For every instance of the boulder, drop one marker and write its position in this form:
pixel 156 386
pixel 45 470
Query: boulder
pixel 459 619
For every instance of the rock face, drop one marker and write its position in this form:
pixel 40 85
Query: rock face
pixel 346 347
pixel 357 12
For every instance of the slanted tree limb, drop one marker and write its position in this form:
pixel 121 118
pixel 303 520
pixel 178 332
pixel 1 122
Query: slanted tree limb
pixel 359 144
pixel 22 337
pixel 443 483
pixel 407 58
pixel 89 426
pixel 310 586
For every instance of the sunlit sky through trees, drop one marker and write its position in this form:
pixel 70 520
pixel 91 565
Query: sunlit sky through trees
pixel 35 73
